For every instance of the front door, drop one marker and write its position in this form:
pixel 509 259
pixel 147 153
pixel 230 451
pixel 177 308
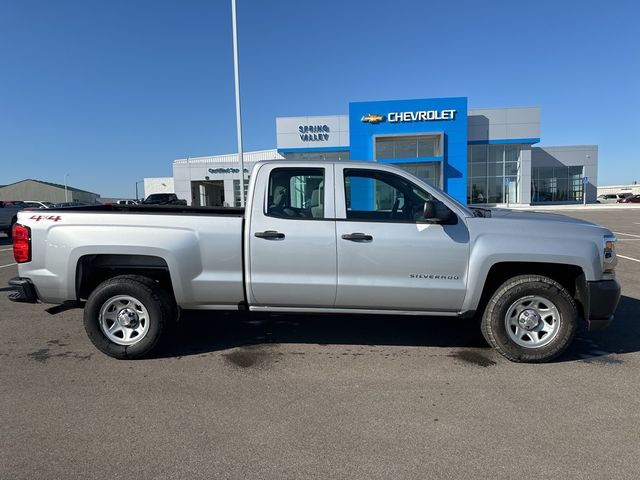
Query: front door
pixel 387 259
pixel 292 238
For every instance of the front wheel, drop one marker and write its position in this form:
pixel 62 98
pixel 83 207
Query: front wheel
pixel 530 318
pixel 125 316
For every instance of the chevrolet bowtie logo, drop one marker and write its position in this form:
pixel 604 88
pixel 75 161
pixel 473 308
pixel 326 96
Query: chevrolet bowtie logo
pixel 372 118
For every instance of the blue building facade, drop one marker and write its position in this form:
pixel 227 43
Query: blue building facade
pixel 427 137
pixel 478 156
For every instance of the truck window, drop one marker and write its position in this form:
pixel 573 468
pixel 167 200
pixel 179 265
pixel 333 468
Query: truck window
pixel 296 193
pixel 382 196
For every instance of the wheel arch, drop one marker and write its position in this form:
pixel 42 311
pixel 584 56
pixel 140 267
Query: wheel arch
pixel 92 270
pixel 571 277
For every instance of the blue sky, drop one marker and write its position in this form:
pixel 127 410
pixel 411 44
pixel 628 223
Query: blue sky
pixel 113 91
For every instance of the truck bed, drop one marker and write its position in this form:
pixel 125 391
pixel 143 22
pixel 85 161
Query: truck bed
pixel 200 246
pixel 151 209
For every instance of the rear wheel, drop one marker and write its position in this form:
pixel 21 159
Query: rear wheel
pixel 125 316
pixel 530 318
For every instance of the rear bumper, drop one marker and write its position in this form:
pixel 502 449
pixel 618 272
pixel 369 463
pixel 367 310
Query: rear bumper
pixel 25 292
pixel 603 300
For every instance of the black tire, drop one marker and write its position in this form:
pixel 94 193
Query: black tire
pixel 158 304
pixel 503 302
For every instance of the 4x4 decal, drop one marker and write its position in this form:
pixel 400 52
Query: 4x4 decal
pixel 52 218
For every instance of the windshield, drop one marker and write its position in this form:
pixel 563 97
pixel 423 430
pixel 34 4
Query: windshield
pixel 438 193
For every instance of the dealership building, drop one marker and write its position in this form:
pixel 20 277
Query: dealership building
pixel 478 156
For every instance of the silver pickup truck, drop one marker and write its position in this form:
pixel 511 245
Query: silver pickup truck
pixel 338 237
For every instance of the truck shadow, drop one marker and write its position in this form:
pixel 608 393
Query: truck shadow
pixel 200 332
pixel 622 336
pixel 204 332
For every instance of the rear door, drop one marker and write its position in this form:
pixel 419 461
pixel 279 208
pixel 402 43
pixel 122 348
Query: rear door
pixel 387 258
pixel 292 237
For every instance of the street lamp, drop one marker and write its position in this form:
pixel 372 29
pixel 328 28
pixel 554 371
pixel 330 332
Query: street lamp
pixel 236 75
pixel 66 197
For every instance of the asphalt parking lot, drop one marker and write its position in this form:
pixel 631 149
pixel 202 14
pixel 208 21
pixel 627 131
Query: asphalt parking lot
pixel 284 397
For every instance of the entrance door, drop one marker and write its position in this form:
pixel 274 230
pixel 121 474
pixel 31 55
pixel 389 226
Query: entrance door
pixel 292 238
pixel 208 193
pixel 387 259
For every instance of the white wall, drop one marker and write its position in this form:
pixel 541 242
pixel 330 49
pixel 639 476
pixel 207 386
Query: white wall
pixel 291 132
pixel 157 185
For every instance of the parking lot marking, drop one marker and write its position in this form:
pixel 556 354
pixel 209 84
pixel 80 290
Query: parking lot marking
pixel 629 234
pixel 629 258
pixel 9 265
pixel 6 249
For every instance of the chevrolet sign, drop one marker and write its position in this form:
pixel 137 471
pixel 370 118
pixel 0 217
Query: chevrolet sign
pixel 421 116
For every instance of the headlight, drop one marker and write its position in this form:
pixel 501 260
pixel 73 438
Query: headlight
pixel 609 257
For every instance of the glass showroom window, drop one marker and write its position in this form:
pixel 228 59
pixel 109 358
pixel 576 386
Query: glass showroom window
pixel 556 184
pixel 428 172
pixel 477 174
pixel 236 191
pixel 493 173
pixel 408 146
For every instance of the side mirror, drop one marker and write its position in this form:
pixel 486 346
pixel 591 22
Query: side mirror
pixel 436 212
pixel 429 211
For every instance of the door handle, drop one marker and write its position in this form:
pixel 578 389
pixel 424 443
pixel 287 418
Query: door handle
pixel 270 235
pixel 357 237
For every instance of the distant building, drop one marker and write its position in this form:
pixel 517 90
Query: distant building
pixel 157 185
pixel 46 192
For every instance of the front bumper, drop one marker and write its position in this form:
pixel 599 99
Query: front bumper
pixel 603 300
pixel 25 292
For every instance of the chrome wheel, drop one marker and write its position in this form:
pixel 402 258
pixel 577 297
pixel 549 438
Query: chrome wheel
pixel 124 320
pixel 532 321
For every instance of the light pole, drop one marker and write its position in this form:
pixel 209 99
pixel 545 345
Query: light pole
pixel 236 75
pixel 66 197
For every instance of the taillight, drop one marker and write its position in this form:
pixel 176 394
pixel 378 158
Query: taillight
pixel 21 243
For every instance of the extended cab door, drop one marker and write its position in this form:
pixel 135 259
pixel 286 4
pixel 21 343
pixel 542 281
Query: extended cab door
pixel 387 258
pixel 292 237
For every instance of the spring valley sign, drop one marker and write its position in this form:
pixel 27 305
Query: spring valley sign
pixel 314 133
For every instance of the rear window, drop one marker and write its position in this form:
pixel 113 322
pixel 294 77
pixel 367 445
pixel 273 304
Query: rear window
pixel 296 193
